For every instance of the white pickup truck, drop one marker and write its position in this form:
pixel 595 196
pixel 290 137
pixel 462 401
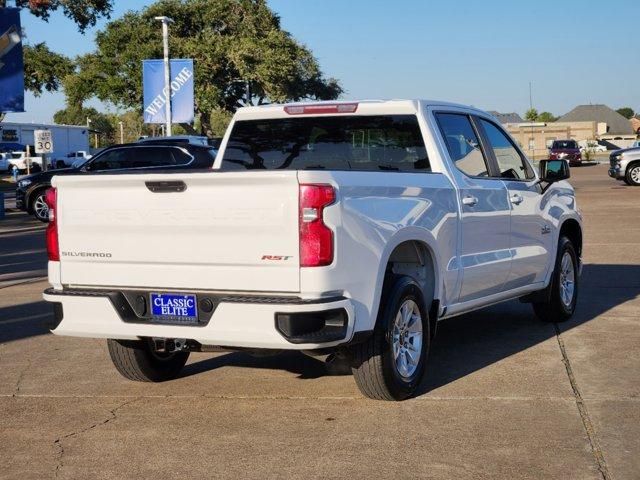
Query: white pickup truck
pixel 23 162
pixel 346 228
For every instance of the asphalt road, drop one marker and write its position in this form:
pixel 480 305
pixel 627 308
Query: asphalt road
pixel 507 396
pixel 23 256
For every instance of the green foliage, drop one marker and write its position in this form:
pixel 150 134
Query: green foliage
pixel 531 115
pixel 77 115
pixel 44 69
pixel 84 13
pixel 546 117
pixel 231 41
pixel 626 112
pixel 132 126
pixel 219 121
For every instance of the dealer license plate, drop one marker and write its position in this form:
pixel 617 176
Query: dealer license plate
pixel 174 308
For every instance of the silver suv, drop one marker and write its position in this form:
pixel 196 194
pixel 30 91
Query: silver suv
pixel 625 165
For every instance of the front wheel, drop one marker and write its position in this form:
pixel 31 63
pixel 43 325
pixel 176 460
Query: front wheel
pixel 391 364
pixel 137 360
pixel 632 177
pixel 562 299
pixel 39 206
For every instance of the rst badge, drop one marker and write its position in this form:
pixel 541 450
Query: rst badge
pixel 276 257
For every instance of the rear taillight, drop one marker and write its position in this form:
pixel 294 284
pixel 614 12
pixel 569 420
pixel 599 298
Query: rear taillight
pixel 316 239
pixel 53 249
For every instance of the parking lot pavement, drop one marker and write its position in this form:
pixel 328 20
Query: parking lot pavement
pixel 506 395
pixel 23 255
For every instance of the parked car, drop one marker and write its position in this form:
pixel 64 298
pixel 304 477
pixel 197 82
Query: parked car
pixel 347 228
pixel 30 191
pixel 20 160
pixel 566 150
pixel 71 159
pixel 592 146
pixel 625 165
pixel 190 139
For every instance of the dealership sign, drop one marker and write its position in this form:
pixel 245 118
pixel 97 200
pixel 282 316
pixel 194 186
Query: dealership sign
pixel 155 95
pixel 11 64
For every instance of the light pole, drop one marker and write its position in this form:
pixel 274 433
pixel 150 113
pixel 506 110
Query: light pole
pixel 167 76
pixel 121 132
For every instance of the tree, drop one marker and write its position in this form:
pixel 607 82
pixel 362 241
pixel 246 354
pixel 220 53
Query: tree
pixel 84 13
pixel 78 115
pixel 44 69
pixel 231 41
pixel 546 117
pixel 531 115
pixel 626 112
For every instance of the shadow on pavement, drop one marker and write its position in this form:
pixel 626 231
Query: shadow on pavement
pixel 26 262
pixel 463 345
pixel 295 362
pixel 24 320
pixel 474 341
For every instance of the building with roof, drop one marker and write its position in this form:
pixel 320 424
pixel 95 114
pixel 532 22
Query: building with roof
pixel 616 124
pixel 505 118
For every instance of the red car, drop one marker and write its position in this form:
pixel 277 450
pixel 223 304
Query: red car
pixel 567 150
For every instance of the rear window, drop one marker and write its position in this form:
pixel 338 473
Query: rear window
pixel 371 143
pixel 564 144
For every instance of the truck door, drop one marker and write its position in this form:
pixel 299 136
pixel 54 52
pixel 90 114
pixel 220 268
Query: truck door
pixel 530 234
pixel 483 256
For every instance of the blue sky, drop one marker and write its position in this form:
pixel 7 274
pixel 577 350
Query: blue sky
pixel 483 53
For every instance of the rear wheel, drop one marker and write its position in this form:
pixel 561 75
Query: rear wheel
pixel 391 363
pixel 136 360
pixel 633 175
pixel 39 206
pixel 562 299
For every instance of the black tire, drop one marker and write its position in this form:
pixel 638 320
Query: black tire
pixel 633 170
pixel 60 164
pixel 135 360
pixel 41 213
pixel 554 309
pixel 372 362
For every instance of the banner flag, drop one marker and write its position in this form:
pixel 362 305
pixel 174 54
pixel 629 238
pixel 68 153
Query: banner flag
pixel 155 96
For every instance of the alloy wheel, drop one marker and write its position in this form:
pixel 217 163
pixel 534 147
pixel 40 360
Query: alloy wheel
pixel 407 339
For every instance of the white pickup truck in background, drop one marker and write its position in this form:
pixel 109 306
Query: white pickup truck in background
pixel 349 228
pixel 72 159
pixel 24 162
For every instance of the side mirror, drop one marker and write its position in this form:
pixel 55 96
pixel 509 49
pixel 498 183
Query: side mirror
pixel 554 170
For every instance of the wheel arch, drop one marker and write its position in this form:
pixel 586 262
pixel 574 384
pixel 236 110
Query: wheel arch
pixel 415 256
pixel 573 231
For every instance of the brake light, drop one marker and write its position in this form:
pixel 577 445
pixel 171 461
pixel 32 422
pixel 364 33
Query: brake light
pixel 53 248
pixel 316 239
pixel 321 108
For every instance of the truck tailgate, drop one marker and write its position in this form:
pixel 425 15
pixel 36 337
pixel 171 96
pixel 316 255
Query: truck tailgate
pixel 224 231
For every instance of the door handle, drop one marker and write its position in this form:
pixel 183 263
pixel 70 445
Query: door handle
pixel 166 186
pixel 470 200
pixel 516 199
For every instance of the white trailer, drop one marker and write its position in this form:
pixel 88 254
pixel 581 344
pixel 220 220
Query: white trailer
pixel 66 138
